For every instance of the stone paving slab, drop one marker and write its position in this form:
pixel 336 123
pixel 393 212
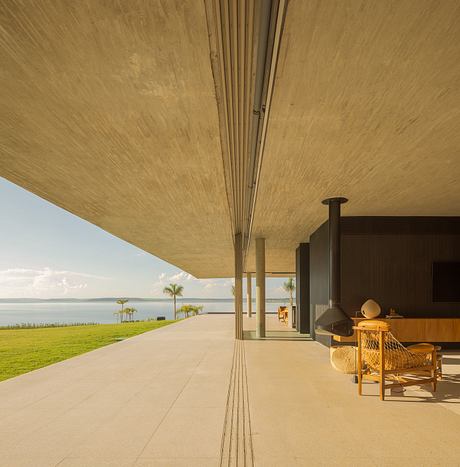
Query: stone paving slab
pixel 161 399
pixel 303 413
pixel 155 399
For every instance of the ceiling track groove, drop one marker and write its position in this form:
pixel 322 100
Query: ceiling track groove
pixel 242 35
pixel 273 44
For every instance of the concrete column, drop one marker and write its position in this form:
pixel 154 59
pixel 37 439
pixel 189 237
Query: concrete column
pixel 249 294
pixel 260 287
pixel 238 286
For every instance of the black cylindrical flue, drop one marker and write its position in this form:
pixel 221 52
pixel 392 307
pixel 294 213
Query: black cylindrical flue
pixel 334 320
pixel 334 251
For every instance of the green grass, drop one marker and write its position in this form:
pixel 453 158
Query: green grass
pixel 23 350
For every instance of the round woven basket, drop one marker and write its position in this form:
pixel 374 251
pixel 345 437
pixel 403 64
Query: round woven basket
pixel 343 359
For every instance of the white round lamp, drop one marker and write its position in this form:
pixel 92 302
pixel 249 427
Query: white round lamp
pixel 370 309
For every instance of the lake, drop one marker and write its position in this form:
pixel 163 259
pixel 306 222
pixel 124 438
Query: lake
pixel 102 312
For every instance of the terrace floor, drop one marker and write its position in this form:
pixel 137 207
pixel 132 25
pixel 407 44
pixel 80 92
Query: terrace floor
pixel 187 395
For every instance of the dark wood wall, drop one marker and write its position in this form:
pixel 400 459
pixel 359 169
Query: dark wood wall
pixel 319 276
pixel 390 260
pixel 303 288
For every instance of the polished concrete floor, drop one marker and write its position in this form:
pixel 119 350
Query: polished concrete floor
pixel 185 395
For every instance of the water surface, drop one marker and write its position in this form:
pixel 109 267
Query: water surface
pixel 100 312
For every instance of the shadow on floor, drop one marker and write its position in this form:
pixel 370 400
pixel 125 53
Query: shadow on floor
pixel 447 391
pixel 278 335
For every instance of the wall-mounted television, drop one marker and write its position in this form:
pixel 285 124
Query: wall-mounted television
pixel 446 282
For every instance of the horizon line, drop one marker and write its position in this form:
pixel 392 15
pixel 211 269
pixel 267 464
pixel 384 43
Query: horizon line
pixel 129 298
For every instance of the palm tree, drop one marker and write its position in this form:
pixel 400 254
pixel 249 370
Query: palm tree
pixel 190 309
pixel 122 301
pixel 174 291
pixel 186 309
pixel 289 287
pixel 130 312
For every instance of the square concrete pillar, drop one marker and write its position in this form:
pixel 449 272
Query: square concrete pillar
pixel 260 287
pixel 249 294
pixel 238 286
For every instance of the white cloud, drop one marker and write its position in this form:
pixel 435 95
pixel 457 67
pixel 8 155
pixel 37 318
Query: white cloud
pixel 164 280
pixel 159 285
pixel 181 276
pixel 141 253
pixel 42 283
pixel 193 287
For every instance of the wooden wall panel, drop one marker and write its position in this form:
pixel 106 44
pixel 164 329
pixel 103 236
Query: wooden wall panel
pixel 390 260
pixel 303 288
pixel 419 330
pixel 319 277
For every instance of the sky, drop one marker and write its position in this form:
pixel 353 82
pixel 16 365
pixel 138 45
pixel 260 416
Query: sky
pixel 47 252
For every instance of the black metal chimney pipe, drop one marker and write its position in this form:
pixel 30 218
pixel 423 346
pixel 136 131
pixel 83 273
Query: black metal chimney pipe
pixel 334 249
pixel 334 320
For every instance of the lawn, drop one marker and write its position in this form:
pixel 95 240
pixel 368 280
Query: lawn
pixel 23 350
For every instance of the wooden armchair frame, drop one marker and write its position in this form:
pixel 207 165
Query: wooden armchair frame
pixel 407 375
pixel 283 313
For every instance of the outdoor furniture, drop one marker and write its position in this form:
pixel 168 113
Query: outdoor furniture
pixel 382 358
pixel 344 358
pixel 422 347
pixel 283 314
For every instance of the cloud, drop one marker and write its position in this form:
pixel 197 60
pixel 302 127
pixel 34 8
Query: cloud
pixel 193 287
pixel 141 253
pixel 181 276
pixel 164 280
pixel 159 285
pixel 42 282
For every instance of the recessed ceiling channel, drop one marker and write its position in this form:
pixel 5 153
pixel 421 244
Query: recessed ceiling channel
pixel 244 43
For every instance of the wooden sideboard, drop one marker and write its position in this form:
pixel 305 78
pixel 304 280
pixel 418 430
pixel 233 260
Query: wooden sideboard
pixel 418 329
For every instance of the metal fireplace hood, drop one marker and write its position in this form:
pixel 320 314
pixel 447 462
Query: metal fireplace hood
pixel 334 320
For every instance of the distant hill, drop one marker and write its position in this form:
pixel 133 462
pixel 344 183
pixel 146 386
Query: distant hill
pixel 131 299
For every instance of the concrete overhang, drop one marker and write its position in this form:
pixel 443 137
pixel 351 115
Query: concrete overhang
pixel 115 113
pixel 366 105
pixel 108 110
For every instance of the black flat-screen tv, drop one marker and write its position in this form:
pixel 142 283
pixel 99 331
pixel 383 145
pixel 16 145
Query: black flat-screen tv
pixel 446 282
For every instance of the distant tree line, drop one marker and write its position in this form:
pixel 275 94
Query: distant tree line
pixel 173 290
pixel 127 313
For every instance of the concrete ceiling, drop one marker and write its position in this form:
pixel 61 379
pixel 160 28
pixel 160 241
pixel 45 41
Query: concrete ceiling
pixel 108 110
pixel 366 105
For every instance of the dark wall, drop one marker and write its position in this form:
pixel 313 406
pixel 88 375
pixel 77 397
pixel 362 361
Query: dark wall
pixel 319 276
pixel 303 288
pixel 390 260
